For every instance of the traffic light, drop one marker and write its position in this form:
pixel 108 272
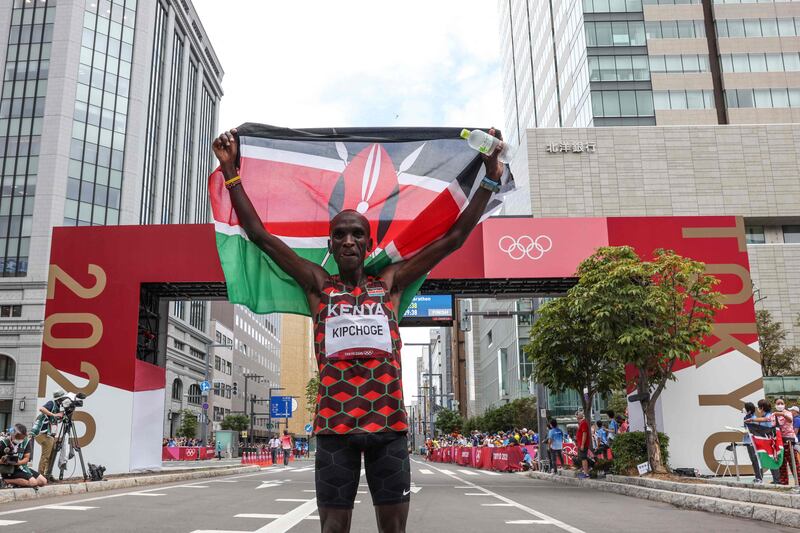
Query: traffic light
pixel 235 389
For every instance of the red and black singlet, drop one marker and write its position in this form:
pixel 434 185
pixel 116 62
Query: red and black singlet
pixel 357 344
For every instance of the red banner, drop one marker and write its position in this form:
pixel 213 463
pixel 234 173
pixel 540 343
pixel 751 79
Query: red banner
pixel 505 459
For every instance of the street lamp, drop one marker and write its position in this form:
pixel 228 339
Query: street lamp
pixel 204 425
pixel 248 377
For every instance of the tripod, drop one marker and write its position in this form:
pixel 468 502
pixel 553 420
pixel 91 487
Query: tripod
pixel 67 430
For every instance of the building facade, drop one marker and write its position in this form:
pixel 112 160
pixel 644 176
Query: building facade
pixel 256 360
pixel 87 86
pixel 298 366
pixel 604 63
pixel 222 375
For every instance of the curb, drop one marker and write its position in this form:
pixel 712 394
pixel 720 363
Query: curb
pixel 719 505
pixel 66 489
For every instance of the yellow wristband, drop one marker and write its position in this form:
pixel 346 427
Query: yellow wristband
pixel 232 181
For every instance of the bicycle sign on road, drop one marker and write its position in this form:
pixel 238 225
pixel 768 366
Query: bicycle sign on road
pixel 280 407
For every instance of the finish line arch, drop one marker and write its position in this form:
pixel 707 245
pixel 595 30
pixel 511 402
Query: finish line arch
pixel 108 288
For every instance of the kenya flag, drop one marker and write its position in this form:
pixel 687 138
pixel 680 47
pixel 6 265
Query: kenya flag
pixel 410 183
pixel 768 444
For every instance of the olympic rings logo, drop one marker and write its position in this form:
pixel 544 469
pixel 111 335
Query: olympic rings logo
pixel 525 246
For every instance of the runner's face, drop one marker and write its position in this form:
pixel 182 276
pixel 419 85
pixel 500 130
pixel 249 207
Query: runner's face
pixel 350 240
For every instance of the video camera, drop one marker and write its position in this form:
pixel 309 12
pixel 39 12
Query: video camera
pixel 70 401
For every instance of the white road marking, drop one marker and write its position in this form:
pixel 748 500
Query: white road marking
pixel 526 522
pixel 221 481
pixel 425 471
pixel 496 505
pixel 476 493
pixel 69 507
pixel 256 515
pixel 146 494
pixel 361 492
pixel 306 469
pixel 416 489
pixel 193 486
pixel 290 519
pixel 490 473
pixel 537 514
pixel 468 472
pixel 309 490
pixel 267 484
pixel 291 500
pixel 11 522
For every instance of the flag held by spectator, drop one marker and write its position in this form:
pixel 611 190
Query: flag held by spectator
pixel 410 183
pixel 769 446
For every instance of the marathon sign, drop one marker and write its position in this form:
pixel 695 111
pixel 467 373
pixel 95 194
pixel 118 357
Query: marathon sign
pixel 98 274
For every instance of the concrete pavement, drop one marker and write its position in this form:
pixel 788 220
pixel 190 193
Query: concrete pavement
pixel 446 498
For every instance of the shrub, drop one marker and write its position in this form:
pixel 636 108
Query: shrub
pixel 630 449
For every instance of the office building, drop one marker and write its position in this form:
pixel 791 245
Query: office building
pixel 107 109
pixel 719 79
pixel 298 367
pixel 256 360
pixel 222 375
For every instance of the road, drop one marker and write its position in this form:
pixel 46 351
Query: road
pixel 446 499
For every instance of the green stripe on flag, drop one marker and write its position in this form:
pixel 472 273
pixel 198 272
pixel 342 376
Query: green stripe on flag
pixel 255 281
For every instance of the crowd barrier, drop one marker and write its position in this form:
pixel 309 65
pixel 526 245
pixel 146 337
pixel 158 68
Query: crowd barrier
pixel 502 459
pixel 186 453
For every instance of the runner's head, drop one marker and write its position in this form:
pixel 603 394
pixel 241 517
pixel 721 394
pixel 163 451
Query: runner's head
pixel 350 240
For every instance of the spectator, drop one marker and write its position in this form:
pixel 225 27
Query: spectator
pixel 613 427
pixel 555 443
pixel 765 419
pixel 601 436
pixel 622 424
pixel 524 439
pixel 749 415
pixel 274 446
pixel 286 445
pixel 583 441
pixel 20 446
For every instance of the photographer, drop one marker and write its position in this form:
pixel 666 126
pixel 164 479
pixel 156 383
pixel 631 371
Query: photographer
pixel 44 430
pixel 16 451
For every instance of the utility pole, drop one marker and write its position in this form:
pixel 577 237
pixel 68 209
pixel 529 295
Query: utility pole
pixel 270 408
pixel 247 398
pixel 207 375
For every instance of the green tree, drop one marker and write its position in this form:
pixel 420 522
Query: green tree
pixel 776 359
pixel 618 402
pixel 238 422
pixel 448 421
pixel 520 413
pixel 569 355
pixel 188 427
pixel 312 389
pixel 653 315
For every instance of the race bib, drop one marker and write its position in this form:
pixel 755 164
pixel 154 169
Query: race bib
pixel 357 337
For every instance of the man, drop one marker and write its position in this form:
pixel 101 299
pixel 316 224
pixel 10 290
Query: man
pixel 355 316
pixel 44 430
pixel 582 439
pixel 15 452
pixel 274 446
pixel 601 440
pixel 555 445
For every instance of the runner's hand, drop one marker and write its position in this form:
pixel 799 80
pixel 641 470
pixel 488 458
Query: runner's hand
pixel 226 148
pixel 494 168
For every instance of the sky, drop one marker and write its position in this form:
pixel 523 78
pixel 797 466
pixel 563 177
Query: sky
pixel 357 63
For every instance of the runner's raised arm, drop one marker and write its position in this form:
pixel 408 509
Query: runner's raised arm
pixel 307 274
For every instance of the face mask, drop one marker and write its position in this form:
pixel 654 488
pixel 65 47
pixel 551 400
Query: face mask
pixel 779 407
pixel 18 442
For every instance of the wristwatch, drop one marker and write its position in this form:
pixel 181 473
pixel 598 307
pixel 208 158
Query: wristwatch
pixel 490 185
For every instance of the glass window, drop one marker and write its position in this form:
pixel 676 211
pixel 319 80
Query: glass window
pixel 674 64
pixel 607 68
pixel 731 99
pixel 780 98
pixel 627 103
pixel 637 36
pixel 769 27
pixel 620 35
pixel 657 63
pixel 617 6
pixel 791 234
pixel 644 103
pixel 640 68
pixel 691 63
pixel 745 97
pixel 685 29
pixel 763 98
pixel 775 63
pixel 703 62
pixel 677 99
pixel 755 234
pixel 624 68
pixel 594 69
pixel 591 36
pixel 708 99
pixel 611 103
pixel 786 27
pixel 791 61
pixel 604 34
pixel 694 100
pixel 669 29
pixel 722 28
pixel 752 28
pixel 736 28
pixel 653 30
pixel 597 103
pixel 794 97
pixel 660 100
pixel 740 63
pixel 758 63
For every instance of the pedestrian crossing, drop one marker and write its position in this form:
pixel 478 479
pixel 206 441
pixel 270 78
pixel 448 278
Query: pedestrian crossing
pixel 464 471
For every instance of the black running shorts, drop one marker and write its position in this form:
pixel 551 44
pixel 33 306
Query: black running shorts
pixel 21 474
pixel 338 468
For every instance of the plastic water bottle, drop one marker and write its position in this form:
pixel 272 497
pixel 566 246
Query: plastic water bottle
pixel 487 144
